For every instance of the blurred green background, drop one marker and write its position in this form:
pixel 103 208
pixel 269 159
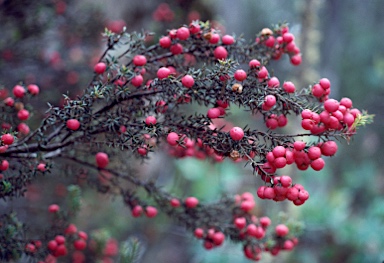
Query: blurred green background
pixel 54 44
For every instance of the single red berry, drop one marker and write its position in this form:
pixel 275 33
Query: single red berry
pixel 331 105
pixel 82 235
pixel 150 120
pixel 139 60
pixel 163 73
pixel 150 211
pixel 346 102
pixel 270 101
pixel 100 68
pixel 4 165
pixel 174 202
pixel 263 73
pixel 33 89
pixel 137 80
pixel 296 60
pixel 328 148
pixel 279 151
pixel 281 230
pixel 317 91
pixel 23 114
pixel 236 133
pixel 60 239
pixel 194 28
pixel 199 232
pixel 79 244
pixel 191 202
pixel 218 238
pixel 314 152
pixel 213 113
pixel 41 167
pixel 289 87
pixel 187 81
pixel 265 221
pixel 23 128
pixel 71 229
pixel 52 245
pixel 269 193
pixel 240 75
pixel 176 49
pixel 285 180
pixel 182 33
pixel 142 151
pixel 137 211
pixel 102 159
pixel 54 208
pixel 214 38
pixel 273 82
pixel 288 37
pixel 165 42
pixel 317 164
pixel 7 139
pixel 220 52
pixel 172 138
pixel 325 83
pixel 240 222
pixel 227 40
pixel 18 91
pixel 9 101
pixel 73 124
pixel 254 63
pixel 61 250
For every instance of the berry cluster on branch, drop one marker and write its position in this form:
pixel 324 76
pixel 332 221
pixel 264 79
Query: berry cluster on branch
pixel 139 101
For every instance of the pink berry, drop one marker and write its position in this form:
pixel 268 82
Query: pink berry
pixel 54 208
pixel 41 167
pixel 263 73
pixel 213 113
pixel 288 37
pixel 150 120
pixel 163 73
pixel 142 151
pixel 7 139
pixel 139 60
pixel 182 33
pixel 23 115
pixel 289 87
pixel 279 151
pixel 18 91
pixel 137 80
pixel 317 91
pixel 296 60
pixel 270 101
pixel 254 63
pixel 102 159
pixel 240 222
pixel 240 75
pixel 220 52
pixel 198 233
pixel 191 202
pixel 4 165
pixel 236 133
pixel 346 102
pixel 314 152
pixel 172 138
pixel 150 211
pixel 331 105
pixel 285 180
pixel 281 230
pixel 73 124
pixel 317 164
pixel 271 123
pixel 273 82
pixel 325 83
pixel 33 89
pixel 175 202
pixel 100 68
pixel 265 221
pixel 79 244
pixel 176 49
pixel 137 211
pixel 187 81
pixel 228 40
pixel 165 42
pixel 214 39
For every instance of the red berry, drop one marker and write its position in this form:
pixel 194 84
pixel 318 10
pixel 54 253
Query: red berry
pixel 71 229
pixel 228 40
pixel 79 244
pixel 281 230
pixel 191 202
pixel 288 37
pixel 137 211
pixel 325 83
pixel 285 180
pixel 4 165
pixel 142 151
pixel 296 60
pixel 150 211
pixel 271 123
pixel 100 68
pixel 331 105
pixel 279 151
pixel 150 120
pixel 263 73
pixel 82 235
pixel 139 60
pixel 213 113
pixel 172 138
pixel 61 250
pixel 163 73
pixel 23 115
pixel 182 33
pixel 60 239
pixel 346 102
pixel 7 139
pixel 270 101
pixel 165 42
pixel 317 164
pixel 194 28
pixel 220 52
pixel 102 159
pixel 187 81
pixel 33 89
pixel 41 167
pixel 73 124
pixel 265 221
pixel 269 193
pixel 218 238
pixel 9 101
pixel 176 49
pixel 329 148
pixel 314 153
pixel 317 91
pixel 52 245
pixel 18 91
pixel 240 75
pixel 53 208
pixel 254 63
pixel 199 232
pixel 247 205
pixel 292 194
pixel 236 133
pixel 137 80
pixel 273 82
pixel 23 128
pixel 174 202
pixel 214 39
pixel 289 87
pixel 240 222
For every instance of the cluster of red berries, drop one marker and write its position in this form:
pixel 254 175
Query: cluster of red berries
pixel 282 189
pixel 149 211
pixel 212 237
pixel 282 41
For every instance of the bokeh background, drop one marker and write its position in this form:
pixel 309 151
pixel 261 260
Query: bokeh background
pixel 55 44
